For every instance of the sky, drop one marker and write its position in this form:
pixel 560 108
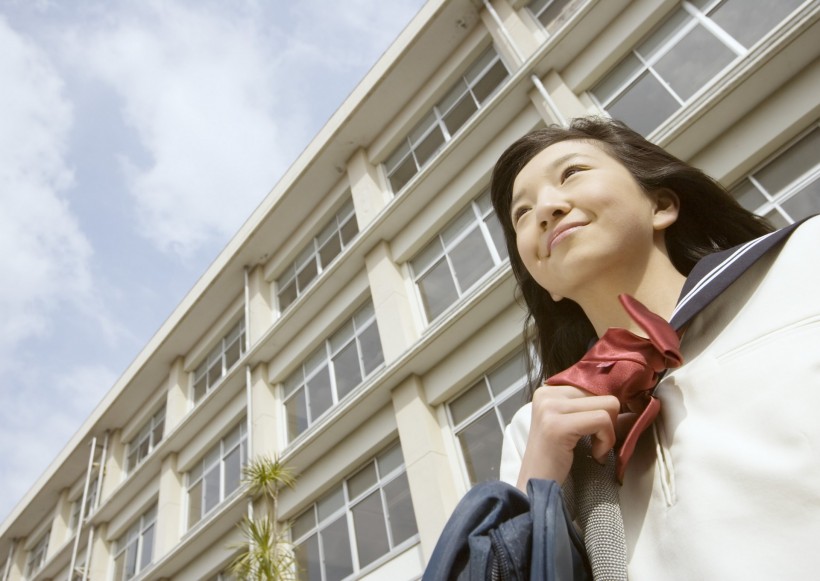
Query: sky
pixel 136 136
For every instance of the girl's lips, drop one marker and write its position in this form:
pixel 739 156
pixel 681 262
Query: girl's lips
pixel 561 234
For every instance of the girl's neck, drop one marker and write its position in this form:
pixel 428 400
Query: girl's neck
pixel 658 287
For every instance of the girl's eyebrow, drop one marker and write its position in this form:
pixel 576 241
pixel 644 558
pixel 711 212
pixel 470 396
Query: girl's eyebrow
pixel 552 166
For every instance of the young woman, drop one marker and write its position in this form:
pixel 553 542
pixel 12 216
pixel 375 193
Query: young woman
pixel 725 483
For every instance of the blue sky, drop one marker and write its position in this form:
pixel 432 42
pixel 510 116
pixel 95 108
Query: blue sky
pixel 135 138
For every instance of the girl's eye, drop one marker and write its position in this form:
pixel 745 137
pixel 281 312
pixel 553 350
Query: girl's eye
pixel 569 172
pixel 518 213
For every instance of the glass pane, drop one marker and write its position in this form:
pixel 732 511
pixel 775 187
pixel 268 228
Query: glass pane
pixel 397 157
pixel 307 559
pixel 119 567
pixel 799 160
pixel 437 289
pixel 371 530
pixel 805 203
pixel 199 388
pixel 400 513
pixel 427 256
pixel 296 409
pixel 320 397
pixel 293 382
pixel 390 459
pixel 360 482
pixel 421 130
pixel 303 523
pixel 233 471
pixel 497 234
pixel 194 504
pixel 364 315
pixel 330 250
pixel 481 447
pixel 749 20
pixel 428 147
pixel 371 347
pixel 626 70
pixel 511 405
pixel 460 114
pixel 330 503
pixel 693 62
pixel 306 275
pixel 471 259
pixel 159 429
pixel 342 336
pixel 403 173
pixel 147 554
pixel 212 492
pixel 469 402
pixel 459 225
pixel 316 360
pixel 555 14
pixel 214 373
pixel 336 549
pixel 453 96
pixel 491 81
pixel 748 195
pixel 510 372
pixel 130 561
pixel 287 295
pixel 777 219
pixel 644 105
pixel 481 64
pixel 346 369
pixel 232 354
pixel 663 34
pixel 349 230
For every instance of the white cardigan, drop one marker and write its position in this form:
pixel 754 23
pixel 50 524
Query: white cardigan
pixel 726 485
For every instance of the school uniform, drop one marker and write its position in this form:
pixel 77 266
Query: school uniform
pixel 726 483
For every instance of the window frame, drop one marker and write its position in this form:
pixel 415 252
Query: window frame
pixel 434 120
pixel 218 353
pixel 136 533
pixel 696 16
pixel 215 458
pixel 494 404
pixel 774 201
pixel 147 431
pixel 479 220
pixel 310 255
pixel 346 511
pixel 322 359
pixel 37 554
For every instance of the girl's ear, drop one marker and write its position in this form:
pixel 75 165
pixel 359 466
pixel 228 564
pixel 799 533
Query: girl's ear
pixel 667 208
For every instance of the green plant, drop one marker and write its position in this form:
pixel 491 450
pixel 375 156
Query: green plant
pixel 266 554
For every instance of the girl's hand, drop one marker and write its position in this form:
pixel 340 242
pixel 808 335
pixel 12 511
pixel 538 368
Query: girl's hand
pixel 562 415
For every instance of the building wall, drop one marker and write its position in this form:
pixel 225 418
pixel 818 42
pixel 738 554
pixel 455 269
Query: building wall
pixel 437 378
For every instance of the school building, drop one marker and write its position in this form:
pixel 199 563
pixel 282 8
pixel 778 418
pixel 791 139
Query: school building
pixel 362 323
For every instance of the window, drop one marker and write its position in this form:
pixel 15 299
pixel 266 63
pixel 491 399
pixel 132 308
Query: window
pixel 90 503
pixel 552 13
pixel 218 474
pixel 689 49
pixel 364 518
pixel 134 550
pixel 459 256
pixel 439 126
pixel 480 414
pixel 224 356
pixel 331 372
pixel 147 439
pixel 37 554
pixel 787 188
pixel 317 255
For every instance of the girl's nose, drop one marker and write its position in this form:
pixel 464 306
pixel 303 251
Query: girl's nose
pixel 550 206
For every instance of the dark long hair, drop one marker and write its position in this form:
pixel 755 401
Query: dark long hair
pixel 709 220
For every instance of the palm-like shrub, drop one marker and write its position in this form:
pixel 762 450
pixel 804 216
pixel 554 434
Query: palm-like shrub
pixel 266 554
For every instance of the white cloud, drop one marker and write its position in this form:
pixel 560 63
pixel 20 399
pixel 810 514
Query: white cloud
pixel 39 417
pixel 197 87
pixel 44 256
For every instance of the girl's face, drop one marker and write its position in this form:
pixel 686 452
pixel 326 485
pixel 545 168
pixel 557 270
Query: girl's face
pixel 579 216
